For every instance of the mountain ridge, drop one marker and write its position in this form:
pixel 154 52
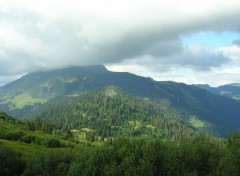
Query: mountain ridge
pixel 229 90
pixel 34 89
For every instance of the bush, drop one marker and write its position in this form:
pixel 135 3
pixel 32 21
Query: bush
pixel 53 143
pixel 15 135
pixel 10 162
pixel 28 139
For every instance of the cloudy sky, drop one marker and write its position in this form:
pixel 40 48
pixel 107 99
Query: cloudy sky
pixel 184 41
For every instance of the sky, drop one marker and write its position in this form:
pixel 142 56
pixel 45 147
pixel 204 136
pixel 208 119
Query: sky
pixel 195 42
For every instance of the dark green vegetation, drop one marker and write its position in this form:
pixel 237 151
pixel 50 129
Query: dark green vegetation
pixel 229 90
pixel 90 121
pixel 201 156
pixel 24 97
pixel 35 132
pixel 111 113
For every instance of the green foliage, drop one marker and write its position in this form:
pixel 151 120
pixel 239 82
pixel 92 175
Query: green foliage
pixel 31 132
pixel 230 163
pixel 10 162
pixel 144 157
pixel 7 118
pixel 53 143
pixel 49 163
pixel 201 156
pixel 110 113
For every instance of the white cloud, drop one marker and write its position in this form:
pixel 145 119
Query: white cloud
pixel 188 76
pixel 232 52
pixel 197 64
pixel 52 34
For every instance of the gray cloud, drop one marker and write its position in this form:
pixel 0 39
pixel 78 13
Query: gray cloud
pixel 202 58
pixel 35 37
pixel 4 79
pixel 195 57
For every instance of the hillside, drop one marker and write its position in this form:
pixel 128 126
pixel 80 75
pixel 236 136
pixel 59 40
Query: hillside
pixel 26 152
pixel 112 113
pixel 37 132
pixel 39 87
pixel 31 91
pixel 30 148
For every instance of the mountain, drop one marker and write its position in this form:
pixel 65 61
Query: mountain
pixel 39 87
pixel 228 90
pixel 34 89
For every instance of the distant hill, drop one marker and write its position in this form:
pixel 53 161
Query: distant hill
pixel 228 90
pixel 36 89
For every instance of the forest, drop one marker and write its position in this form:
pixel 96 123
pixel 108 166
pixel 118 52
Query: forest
pixel 111 133
pixel 123 156
pixel 110 113
pixel 27 149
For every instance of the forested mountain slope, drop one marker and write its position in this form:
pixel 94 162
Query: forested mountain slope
pixel 31 91
pixel 112 113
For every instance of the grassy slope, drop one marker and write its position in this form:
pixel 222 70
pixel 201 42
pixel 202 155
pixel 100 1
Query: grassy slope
pixel 10 126
pixel 24 99
pixel 25 147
